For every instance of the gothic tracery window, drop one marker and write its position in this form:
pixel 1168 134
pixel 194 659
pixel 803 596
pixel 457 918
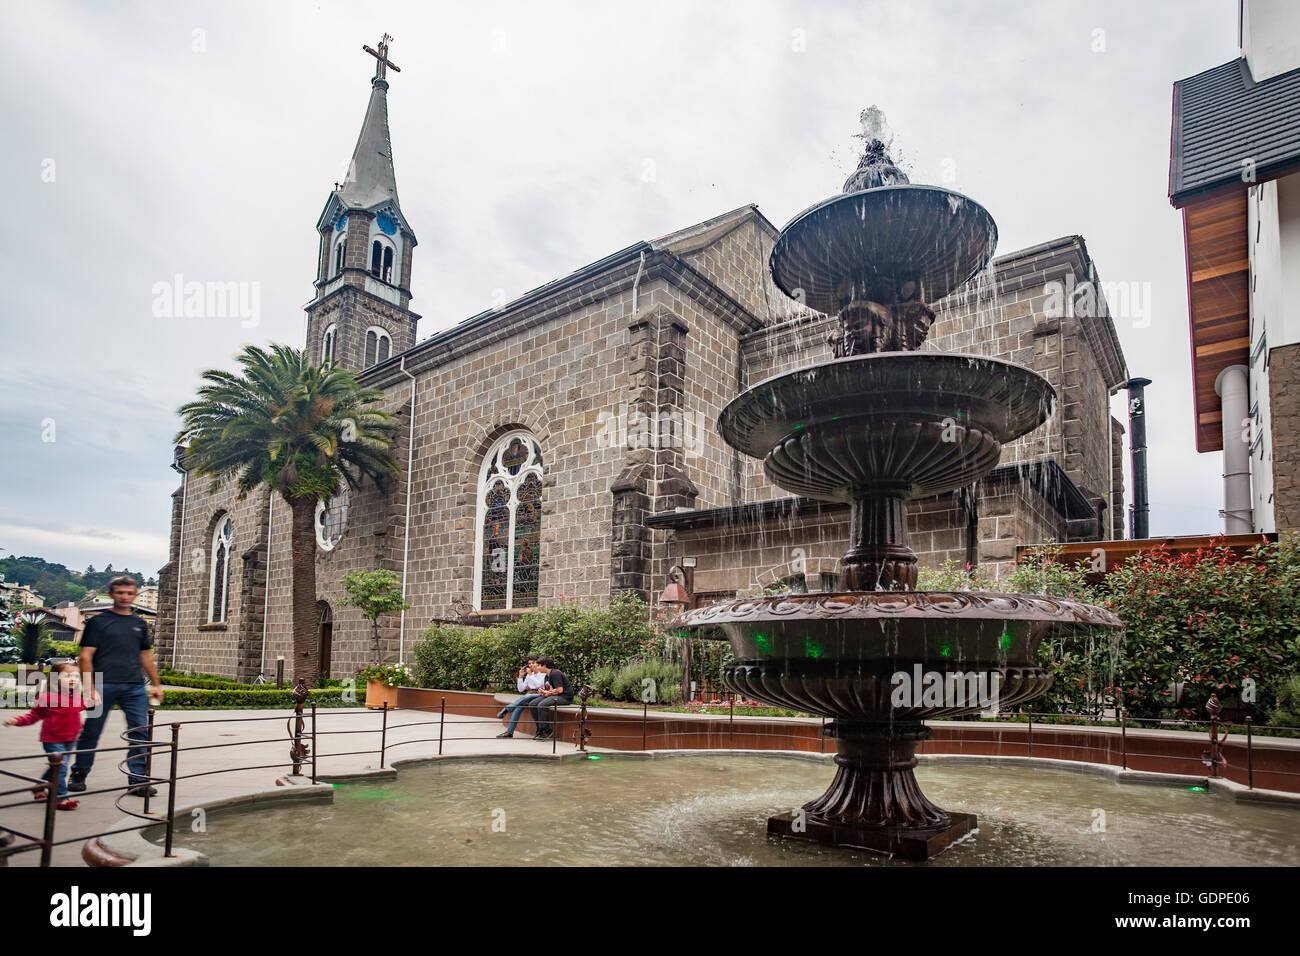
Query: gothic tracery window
pixel 219 572
pixel 508 546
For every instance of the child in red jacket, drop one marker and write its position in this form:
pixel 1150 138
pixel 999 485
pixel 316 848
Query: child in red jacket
pixel 60 716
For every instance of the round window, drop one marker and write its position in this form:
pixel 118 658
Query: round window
pixel 331 522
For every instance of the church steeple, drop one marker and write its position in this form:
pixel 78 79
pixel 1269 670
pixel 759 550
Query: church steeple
pixel 361 313
pixel 371 178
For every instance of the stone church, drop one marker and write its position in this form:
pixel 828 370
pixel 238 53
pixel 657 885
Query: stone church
pixel 562 447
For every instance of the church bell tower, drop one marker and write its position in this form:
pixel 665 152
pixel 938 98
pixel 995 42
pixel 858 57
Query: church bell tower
pixel 360 315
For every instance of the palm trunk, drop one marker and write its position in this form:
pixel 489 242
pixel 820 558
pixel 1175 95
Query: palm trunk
pixel 306 646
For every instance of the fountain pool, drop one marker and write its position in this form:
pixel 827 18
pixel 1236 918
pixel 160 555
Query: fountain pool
pixel 712 810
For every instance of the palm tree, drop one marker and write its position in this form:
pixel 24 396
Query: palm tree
pixel 301 430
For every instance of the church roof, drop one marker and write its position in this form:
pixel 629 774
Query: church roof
pixel 371 179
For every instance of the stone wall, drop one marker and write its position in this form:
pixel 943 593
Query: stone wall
pixel 1284 440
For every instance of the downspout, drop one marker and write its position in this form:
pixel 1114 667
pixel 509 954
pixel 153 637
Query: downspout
pixel 406 534
pixel 180 552
pixel 266 597
pixel 1238 511
pixel 636 283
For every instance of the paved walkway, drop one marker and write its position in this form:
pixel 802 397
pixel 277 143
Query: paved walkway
pixel 263 742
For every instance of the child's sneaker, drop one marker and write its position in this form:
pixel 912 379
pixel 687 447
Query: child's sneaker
pixel 39 795
pixel 67 804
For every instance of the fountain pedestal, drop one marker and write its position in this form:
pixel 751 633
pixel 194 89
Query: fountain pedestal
pixel 874 802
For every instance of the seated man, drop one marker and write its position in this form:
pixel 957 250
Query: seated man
pixel 556 693
pixel 529 680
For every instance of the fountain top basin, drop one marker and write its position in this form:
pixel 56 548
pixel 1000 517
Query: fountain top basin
pixel 896 243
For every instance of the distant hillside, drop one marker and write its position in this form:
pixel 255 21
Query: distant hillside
pixel 56 583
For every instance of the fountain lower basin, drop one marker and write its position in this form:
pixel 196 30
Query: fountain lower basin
pixel 880 663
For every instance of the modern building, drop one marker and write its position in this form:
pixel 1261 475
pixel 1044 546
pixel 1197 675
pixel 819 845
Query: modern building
pixel 1234 173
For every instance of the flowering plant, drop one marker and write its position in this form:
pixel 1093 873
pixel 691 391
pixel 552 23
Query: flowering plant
pixel 390 675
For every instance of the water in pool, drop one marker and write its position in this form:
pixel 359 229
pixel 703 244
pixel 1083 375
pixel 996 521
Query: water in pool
pixel 712 811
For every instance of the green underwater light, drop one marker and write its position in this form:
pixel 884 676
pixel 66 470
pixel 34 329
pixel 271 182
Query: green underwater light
pixel 595 757
pixel 1196 789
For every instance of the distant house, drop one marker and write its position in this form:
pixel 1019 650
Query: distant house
pixel 20 595
pixel 74 616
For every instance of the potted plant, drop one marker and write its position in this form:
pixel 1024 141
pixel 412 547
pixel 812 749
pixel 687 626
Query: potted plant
pixel 382 681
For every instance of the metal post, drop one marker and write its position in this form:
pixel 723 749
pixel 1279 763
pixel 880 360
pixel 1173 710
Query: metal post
pixel 383 736
pixel 279 672
pixel 555 728
pixel 823 735
pixel 1123 737
pixel 1250 758
pixel 51 798
pixel 171 788
pixel 1031 735
pixel 645 713
pixel 442 720
pixel 313 742
pixel 731 719
pixel 148 763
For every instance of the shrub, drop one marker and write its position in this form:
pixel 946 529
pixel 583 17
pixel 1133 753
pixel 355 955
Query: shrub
pixel 583 637
pixel 659 679
pixel 458 658
pixel 602 679
pixel 222 699
pixel 1287 711
pixel 1209 620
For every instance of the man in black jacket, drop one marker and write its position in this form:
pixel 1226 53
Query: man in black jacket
pixel 556 693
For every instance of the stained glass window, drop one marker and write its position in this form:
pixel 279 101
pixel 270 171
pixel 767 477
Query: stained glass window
pixel 219 582
pixel 510 524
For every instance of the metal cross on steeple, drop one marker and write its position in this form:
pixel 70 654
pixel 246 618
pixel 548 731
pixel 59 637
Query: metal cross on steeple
pixel 382 56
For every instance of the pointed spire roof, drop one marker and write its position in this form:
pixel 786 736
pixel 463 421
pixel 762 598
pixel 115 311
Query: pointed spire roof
pixel 371 179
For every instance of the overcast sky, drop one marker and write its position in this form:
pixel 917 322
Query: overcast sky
pixel 149 140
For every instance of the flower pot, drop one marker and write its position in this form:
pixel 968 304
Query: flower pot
pixel 377 693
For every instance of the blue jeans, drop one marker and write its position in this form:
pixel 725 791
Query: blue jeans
pixel 60 747
pixel 134 701
pixel 517 710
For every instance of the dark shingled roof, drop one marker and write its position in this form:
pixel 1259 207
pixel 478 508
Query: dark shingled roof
pixel 1222 117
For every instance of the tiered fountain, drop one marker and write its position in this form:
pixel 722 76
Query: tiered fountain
pixel 879 425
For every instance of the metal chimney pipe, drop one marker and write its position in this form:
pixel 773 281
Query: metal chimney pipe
pixel 1233 389
pixel 1140 514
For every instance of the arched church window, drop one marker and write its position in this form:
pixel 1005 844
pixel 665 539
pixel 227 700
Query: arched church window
pixel 219 572
pixel 376 257
pixel 332 520
pixel 387 273
pixel 327 343
pixel 379 346
pixel 340 254
pixel 508 543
